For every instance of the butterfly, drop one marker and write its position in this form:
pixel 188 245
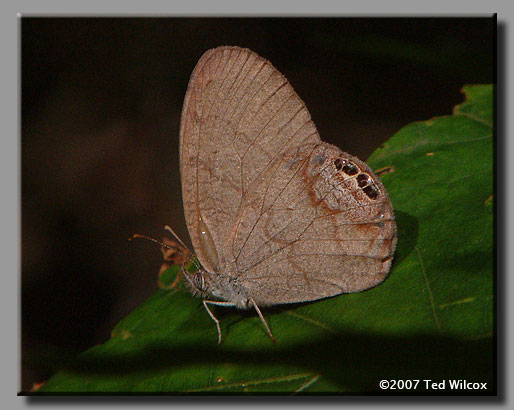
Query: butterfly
pixel 275 215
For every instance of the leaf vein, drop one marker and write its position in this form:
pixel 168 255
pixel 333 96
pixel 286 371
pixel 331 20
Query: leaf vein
pixel 279 379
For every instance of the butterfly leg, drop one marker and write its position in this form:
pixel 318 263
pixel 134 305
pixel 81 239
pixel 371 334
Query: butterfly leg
pixel 263 320
pixel 214 302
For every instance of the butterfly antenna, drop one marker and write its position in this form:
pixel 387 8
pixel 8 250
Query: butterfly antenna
pixel 167 228
pixel 138 235
pixel 189 258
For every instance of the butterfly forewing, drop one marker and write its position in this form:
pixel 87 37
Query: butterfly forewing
pixel 235 122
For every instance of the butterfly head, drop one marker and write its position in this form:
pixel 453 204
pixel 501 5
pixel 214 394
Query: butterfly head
pixel 197 282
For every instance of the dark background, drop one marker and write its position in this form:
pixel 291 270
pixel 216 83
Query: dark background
pixel 101 103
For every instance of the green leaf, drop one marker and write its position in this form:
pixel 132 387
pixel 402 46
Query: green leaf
pixel 431 319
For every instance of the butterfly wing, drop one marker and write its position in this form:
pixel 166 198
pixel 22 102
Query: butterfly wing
pixel 265 198
pixel 239 113
pixel 315 233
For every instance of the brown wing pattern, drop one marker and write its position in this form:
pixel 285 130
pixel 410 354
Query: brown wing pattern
pixel 282 213
pixel 311 232
pixel 239 114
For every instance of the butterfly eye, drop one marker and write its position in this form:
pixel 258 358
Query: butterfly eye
pixel 199 282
